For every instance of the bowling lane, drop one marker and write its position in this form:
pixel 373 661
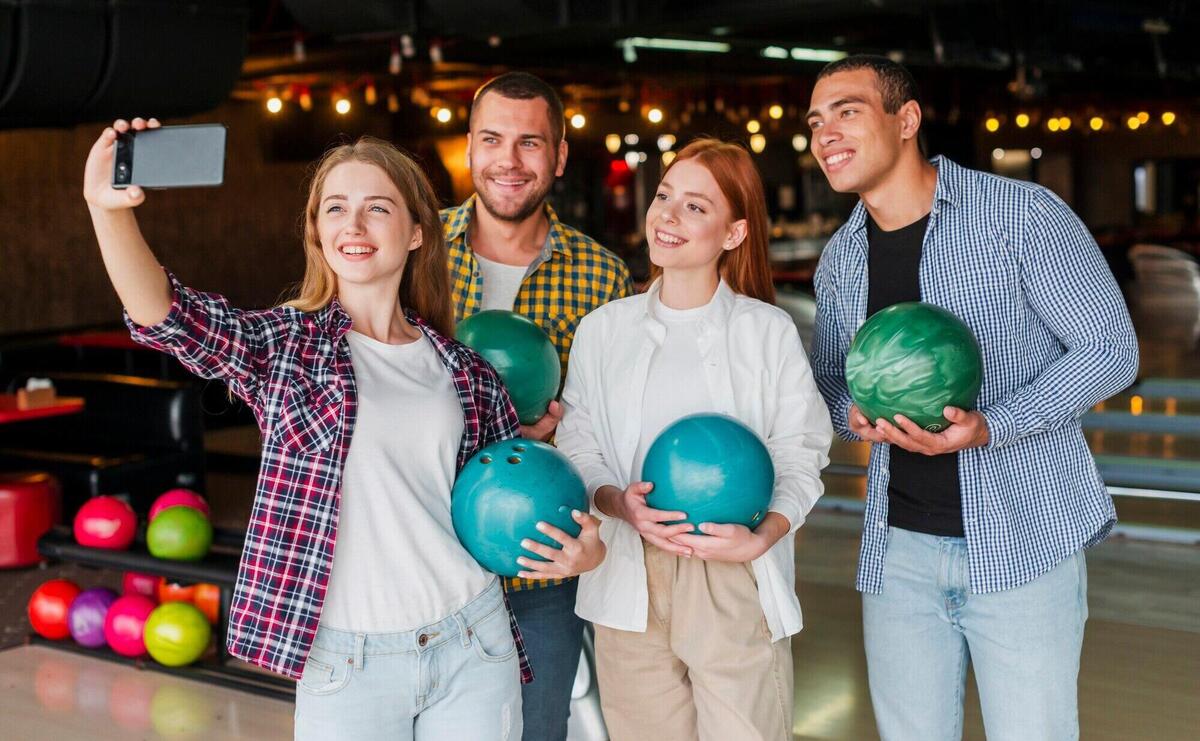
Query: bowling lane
pixel 842 484
pixel 55 694
pixel 1138 674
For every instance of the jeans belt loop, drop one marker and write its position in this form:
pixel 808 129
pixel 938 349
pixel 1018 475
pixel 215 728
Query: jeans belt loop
pixel 360 640
pixel 464 632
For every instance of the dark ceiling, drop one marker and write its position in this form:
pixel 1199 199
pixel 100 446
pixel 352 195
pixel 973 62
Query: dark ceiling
pixel 1134 49
pixel 68 61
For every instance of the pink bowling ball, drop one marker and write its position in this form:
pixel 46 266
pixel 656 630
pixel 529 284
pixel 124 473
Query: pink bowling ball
pixel 125 624
pixel 135 582
pixel 105 522
pixel 178 498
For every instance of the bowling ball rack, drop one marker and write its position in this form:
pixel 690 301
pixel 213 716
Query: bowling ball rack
pixel 218 567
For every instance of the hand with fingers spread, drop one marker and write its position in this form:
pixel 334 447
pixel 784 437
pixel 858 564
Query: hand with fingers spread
pixel 576 555
pixel 966 430
pixel 630 505
pixel 97 173
pixel 734 543
pixel 543 429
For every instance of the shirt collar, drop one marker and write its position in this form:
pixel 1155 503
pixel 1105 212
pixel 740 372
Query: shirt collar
pixel 337 323
pixel 947 190
pixel 556 237
pixel 722 304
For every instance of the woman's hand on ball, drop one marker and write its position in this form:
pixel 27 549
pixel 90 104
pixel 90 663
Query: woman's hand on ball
pixel 735 543
pixel 576 556
pixel 649 522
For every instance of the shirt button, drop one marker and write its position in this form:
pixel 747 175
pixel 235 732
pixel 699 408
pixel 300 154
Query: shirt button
pixel 423 640
pixel 881 524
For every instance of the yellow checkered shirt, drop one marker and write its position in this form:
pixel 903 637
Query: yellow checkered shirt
pixel 572 277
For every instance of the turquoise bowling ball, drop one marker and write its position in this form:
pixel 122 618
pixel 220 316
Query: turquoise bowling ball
pixel 521 353
pixel 712 468
pixel 502 493
pixel 914 359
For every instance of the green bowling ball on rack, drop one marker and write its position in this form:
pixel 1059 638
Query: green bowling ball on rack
pixel 521 353
pixel 914 359
pixel 177 634
pixel 179 533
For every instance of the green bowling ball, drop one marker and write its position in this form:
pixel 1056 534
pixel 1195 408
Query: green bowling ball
pixel 179 533
pixel 521 353
pixel 914 359
pixel 177 634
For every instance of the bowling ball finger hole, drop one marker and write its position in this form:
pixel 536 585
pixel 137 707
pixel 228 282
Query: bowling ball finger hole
pixel 519 448
pixel 514 459
pixel 485 459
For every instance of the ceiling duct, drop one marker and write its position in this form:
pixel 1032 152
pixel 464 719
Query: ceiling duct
pixel 87 60
pixel 56 58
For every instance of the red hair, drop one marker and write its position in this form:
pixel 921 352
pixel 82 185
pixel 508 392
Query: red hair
pixel 746 268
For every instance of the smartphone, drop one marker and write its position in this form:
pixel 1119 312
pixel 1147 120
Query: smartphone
pixel 171 157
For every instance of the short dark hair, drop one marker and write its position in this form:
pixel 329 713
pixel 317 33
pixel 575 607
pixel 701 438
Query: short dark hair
pixel 524 86
pixel 895 82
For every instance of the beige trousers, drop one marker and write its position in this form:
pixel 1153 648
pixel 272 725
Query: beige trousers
pixel 705 668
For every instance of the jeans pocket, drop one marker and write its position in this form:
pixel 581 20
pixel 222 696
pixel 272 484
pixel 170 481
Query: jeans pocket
pixel 322 678
pixel 492 637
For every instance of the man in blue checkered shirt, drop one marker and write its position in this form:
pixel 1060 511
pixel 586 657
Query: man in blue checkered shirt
pixel 973 537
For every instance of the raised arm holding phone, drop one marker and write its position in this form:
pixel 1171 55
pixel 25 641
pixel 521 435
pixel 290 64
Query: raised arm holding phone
pixel 365 342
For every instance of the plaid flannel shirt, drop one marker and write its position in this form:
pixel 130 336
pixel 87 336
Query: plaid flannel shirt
pixel 293 369
pixel 572 276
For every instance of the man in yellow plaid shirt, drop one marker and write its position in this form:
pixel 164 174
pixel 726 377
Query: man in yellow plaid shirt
pixel 508 250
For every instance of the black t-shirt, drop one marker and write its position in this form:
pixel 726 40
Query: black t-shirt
pixel 923 491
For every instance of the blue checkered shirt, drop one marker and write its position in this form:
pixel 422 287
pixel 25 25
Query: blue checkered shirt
pixel 1011 260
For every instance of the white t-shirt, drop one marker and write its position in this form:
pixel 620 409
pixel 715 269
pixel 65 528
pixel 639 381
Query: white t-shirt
pixel 397 563
pixel 500 283
pixel 675 385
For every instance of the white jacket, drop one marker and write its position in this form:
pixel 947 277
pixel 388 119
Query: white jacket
pixel 755 370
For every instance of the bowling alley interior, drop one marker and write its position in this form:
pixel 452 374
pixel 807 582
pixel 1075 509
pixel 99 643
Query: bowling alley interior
pixel 128 483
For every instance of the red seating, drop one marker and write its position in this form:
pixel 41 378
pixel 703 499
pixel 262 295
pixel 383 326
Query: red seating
pixel 30 504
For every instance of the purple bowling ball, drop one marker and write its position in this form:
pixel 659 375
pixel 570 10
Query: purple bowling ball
pixel 85 618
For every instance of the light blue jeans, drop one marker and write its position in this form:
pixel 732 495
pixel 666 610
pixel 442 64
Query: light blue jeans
pixel 1022 643
pixel 455 679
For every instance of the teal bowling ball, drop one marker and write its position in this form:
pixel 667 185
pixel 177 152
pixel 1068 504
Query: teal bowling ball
pixel 712 468
pixel 502 493
pixel 521 353
pixel 914 359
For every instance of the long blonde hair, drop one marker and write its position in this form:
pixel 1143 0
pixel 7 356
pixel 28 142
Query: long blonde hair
pixel 425 285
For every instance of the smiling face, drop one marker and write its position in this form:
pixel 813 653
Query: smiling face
pixel 364 226
pixel 512 156
pixel 855 141
pixel 689 223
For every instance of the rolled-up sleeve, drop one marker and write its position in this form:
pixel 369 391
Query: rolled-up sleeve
pixel 1071 289
pixel 576 436
pixel 213 339
pixel 830 345
pixel 799 433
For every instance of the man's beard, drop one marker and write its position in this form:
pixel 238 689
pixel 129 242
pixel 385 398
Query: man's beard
pixel 522 211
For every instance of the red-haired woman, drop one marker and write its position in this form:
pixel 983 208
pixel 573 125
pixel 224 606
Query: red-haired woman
pixel 368 409
pixel 692 631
